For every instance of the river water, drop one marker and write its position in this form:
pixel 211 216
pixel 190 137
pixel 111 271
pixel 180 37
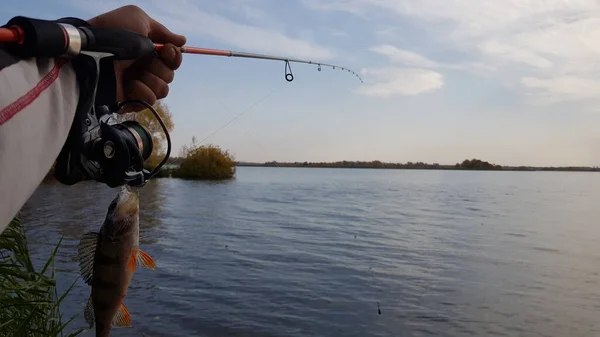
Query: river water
pixel 315 252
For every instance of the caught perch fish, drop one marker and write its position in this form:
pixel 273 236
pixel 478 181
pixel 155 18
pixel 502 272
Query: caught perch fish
pixel 108 259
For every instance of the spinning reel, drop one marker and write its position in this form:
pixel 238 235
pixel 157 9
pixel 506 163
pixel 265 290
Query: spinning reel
pixel 108 151
pixel 98 147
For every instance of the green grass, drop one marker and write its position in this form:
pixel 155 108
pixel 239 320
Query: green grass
pixel 29 302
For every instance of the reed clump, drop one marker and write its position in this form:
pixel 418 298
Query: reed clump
pixel 29 301
pixel 207 162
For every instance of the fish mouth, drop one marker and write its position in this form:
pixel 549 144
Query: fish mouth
pixel 128 201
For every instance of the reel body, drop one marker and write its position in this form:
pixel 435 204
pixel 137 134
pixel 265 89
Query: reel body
pixel 113 153
pixel 99 147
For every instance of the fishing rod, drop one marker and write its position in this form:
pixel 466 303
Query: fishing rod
pixel 96 38
pixel 98 146
pixel 289 77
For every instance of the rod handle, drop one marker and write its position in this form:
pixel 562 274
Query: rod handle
pixel 38 38
pixel 44 38
pixel 123 44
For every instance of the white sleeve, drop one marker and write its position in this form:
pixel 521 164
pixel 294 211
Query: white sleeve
pixel 38 99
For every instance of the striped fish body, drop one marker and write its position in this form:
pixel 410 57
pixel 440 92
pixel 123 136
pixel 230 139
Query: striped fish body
pixel 112 274
pixel 108 259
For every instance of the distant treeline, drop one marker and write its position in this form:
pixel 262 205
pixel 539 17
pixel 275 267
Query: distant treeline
pixel 467 164
pixel 221 165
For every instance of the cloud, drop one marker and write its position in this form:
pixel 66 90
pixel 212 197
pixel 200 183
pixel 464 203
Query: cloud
pixel 514 54
pixel 405 57
pixel 565 88
pixel 94 7
pixel 389 81
pixel 411 79
pixel 350 6
pixel 337 32
pixel 549 47
pixel 189 18
pixel 185 17
pixel 410 58
pixel 252 10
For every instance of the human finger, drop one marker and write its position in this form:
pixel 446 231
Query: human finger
pixel 139 90
pixel 161 34
pixel 171 55
pixel 159 87
pixel 160 69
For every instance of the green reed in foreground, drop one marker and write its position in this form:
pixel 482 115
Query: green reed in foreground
pixel 29 302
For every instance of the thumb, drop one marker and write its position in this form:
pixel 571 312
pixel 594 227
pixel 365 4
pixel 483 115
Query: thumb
pixel 160 34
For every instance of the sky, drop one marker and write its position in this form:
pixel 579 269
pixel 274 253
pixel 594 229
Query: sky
pixel 510 82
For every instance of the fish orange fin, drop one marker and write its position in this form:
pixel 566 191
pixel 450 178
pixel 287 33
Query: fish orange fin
pixel 85 254
pixel 122 317
pixel 145 260
pixel 131 265
pixel 88 312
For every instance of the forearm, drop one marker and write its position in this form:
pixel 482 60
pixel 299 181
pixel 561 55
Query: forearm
pixel 38 100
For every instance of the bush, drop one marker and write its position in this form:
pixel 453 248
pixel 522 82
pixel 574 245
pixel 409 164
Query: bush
pixel 29 303
pixel 207 162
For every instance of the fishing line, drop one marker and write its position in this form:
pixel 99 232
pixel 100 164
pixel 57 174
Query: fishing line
pixel 229 122
pixel 240 123
pixel 289 77
pixel 234 117
pixel 239 115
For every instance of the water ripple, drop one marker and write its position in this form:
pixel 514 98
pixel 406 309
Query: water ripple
pixel 315 252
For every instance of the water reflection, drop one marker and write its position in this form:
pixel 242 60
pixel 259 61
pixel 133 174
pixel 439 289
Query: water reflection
pixel 310 252
pixel 153 206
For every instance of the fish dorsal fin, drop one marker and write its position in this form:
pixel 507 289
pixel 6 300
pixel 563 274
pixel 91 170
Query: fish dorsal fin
pixel 145 260
pixel 88 312
pixel 85 254
pixel 123 317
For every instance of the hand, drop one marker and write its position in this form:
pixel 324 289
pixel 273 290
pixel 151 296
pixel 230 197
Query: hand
pixel 147 78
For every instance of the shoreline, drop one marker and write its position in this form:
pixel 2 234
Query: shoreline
pixel 424 167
